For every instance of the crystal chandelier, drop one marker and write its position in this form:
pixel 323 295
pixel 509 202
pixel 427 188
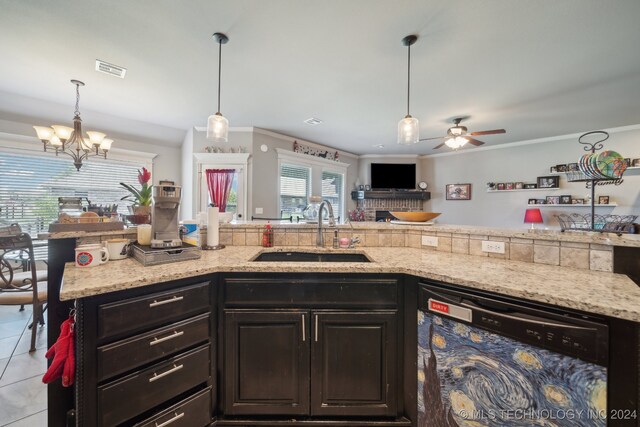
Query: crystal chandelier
pixel 70 141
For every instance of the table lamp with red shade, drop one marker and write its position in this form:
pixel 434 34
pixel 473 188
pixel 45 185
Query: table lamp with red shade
pixel 534 216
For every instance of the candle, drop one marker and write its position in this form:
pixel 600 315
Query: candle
pixel 212 227
pixel 144 234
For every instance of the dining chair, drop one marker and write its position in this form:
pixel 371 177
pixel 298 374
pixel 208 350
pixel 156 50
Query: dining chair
pixel 21 287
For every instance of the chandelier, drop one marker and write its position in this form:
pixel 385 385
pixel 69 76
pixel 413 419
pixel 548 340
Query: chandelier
pixel 70 141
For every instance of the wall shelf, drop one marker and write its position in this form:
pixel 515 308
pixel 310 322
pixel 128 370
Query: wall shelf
pixel 391 194
pixel 523 189
pixel 573 205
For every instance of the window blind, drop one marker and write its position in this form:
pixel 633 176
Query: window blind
pixel 30 186
pixel 295 184
pixel 333 190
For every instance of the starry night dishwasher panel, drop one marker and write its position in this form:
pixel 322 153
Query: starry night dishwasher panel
pixel 485 362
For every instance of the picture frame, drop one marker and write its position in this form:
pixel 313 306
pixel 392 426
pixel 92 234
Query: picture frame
pixel 361 187
pixel 565 200
pixel 500 186
pixel 533 201
pixel 518 185
pixel 509 186
pixel 458 191
pixel 561 168
pixel 552 200
pixel 367 187
pixel 572 167
pixel 627 161
pixel 577 201
pixel 553 169
pixel 552 181
pixel 635 163
pixel 530 186
pixel 542 202
pixel 603 200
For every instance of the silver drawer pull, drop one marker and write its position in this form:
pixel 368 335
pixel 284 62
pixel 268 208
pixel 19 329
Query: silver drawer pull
pixel 156 303
pixel 157 340
pixel 175 368
pixel 166 423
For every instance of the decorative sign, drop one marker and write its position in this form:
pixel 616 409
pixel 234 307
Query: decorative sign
pixel 325 154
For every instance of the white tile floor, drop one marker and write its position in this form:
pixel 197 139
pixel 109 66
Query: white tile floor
pixel 23 396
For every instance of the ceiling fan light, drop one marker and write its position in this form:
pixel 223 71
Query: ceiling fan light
pixel 217 128
pixel 408 131
pixel 457 142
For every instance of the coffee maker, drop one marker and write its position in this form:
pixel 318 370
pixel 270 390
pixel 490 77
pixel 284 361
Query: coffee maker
pixel 164 216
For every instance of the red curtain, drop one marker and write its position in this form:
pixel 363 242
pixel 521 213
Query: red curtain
pixel 219 182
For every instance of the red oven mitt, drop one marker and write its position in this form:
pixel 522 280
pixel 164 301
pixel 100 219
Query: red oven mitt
pixel 63 364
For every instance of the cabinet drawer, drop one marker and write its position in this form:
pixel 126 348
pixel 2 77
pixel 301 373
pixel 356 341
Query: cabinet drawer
pixel 315 292
pixel 192 412
pixel 124 355
pixel 153 310
pixel 132 395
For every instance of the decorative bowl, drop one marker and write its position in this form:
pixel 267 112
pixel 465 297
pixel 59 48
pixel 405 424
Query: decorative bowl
pixel 415 216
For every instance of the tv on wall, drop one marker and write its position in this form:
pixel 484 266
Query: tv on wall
pixel 393 176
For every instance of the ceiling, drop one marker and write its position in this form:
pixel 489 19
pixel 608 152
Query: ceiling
pixel 537 69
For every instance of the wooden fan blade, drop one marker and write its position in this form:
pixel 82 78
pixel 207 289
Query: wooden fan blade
pixel 429 139
pixel 474 141
pixel 438 146
pixel 488 132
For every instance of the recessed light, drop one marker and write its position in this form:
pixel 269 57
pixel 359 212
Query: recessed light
pixel 378 146
pixel 111 69
pixel 312 121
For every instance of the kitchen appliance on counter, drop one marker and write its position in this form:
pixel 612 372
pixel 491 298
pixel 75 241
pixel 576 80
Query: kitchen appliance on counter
pixel 164 216
pixel 485 360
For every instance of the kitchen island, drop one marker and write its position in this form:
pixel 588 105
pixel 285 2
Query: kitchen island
pixel 230 273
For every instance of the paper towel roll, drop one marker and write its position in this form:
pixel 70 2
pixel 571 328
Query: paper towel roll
pixel 213 238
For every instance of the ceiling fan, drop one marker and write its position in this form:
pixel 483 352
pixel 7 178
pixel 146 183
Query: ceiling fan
pixel 457 135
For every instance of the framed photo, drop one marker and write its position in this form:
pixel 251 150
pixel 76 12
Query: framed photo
pixel 553 200
pixel 635 163
pixel 509 186
pixel 577 201
pixel 361 187
pixel 565 200
pixel 627 162
pixel 603 200
pixel 367 187
pixel 500 186
pixel 533 201
pixel 572 167
pixel 549 181
pixel 553 169
pixel 530 186
pixel 518 185
pixel 561 168
pixel 458 191
pixel 542 202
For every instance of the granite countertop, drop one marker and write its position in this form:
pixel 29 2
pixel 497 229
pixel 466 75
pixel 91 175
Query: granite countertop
pixel 79 234
pixel 601 293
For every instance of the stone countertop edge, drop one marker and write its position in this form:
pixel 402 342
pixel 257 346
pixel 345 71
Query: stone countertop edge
pixel 599 293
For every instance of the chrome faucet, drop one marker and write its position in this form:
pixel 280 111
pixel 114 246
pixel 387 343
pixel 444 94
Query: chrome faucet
pixel 332 221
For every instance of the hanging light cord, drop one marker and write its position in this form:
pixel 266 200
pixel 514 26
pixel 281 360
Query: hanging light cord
pixel 219 71
pixel 408 77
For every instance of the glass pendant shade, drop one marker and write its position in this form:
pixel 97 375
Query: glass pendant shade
pixel 105 145
pixel 55 141
pixel 44 133
pixel 62 132
pixel 217 128
pixel 408 130
pixel 95 137
pixel 457 142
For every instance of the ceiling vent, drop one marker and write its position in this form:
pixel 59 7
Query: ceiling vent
pixel 313 121
pixel 112 70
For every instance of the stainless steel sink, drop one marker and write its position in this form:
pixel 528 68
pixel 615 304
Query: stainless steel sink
pixel 311 257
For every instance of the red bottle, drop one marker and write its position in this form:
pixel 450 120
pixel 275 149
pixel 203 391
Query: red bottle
pixel 267 236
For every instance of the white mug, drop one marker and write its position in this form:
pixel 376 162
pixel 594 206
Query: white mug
pixel 91 255
pixel 117 248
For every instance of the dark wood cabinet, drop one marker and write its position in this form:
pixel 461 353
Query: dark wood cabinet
pixel 353 364
pixel 266 362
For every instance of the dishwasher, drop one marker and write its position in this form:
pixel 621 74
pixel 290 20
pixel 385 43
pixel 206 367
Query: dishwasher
pixel 484 360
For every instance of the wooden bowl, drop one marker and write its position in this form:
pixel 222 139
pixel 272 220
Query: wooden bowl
pixel 415 216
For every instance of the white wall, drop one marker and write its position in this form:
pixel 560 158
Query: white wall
pixel 522 163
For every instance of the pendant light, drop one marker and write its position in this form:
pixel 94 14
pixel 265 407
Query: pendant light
pixel 217 124
pixel 409 127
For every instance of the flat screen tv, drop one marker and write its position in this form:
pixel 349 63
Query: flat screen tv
pixel 393 176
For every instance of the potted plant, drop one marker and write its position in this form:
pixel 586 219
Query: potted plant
pixel 141 198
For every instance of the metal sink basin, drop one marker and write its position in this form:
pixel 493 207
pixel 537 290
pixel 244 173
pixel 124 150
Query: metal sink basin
pixel 311 257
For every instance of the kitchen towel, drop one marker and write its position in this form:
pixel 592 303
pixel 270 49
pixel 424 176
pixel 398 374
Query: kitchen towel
pixel 213 238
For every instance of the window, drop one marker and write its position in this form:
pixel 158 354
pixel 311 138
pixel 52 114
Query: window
pixel 333 191
pixel 295 188
pixel 31 184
